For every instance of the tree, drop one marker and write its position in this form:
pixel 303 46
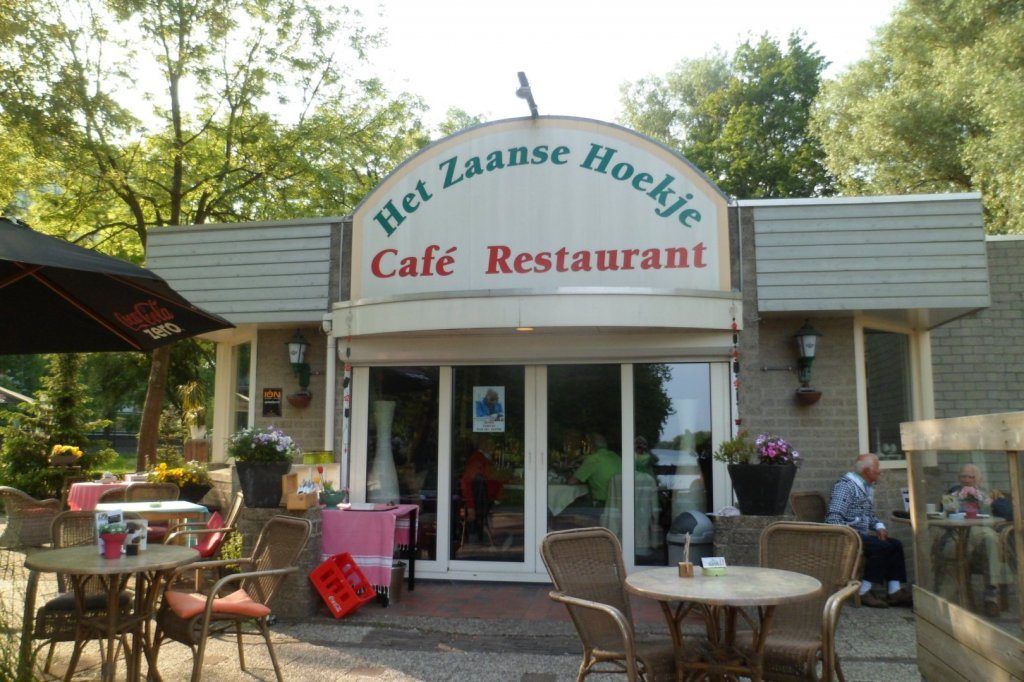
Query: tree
pixel 60 416
pixel 937 106
pixel 457 119
pixel 742 120
pixel 173 112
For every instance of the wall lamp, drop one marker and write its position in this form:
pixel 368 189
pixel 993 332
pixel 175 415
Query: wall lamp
pixel 807 346
pixel 297 348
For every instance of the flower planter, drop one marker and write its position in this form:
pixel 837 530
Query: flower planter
pixel 971 509
pixel 62 460
pixel 112 543
pixel 762 489
pixel 300 400
pixel 332 498
pixel 193 492
pixel 261 482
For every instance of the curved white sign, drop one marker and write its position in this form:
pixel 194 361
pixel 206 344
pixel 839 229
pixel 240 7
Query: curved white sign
pixel 538 205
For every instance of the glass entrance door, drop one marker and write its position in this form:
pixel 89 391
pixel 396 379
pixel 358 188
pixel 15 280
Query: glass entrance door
pixel 492 438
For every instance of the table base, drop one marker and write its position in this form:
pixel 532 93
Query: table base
pixel 717 657
pixel 117 625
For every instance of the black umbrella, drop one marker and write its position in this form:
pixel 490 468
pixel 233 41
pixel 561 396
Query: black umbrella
pixel 56 297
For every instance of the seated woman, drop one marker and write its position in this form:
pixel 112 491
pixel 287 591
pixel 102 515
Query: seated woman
pixel 479 486
pixel 983 540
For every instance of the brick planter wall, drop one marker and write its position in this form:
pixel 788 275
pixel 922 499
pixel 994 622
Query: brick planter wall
pixel 736 537
pixel 296 598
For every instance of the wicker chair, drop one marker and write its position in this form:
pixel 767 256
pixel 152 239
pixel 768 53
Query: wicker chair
pixel 802 637
pixel 273 558
pixel 55 620
pixel 28 519
pixel 586 568
pixel 112 495
pixel 209 539
pixel 151 492
pixel 809 506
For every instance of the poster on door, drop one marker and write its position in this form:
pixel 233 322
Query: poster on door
pixel 488 409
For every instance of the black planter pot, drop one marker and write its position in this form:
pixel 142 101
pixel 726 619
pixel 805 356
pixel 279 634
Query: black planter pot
pixel 193 492
pixel 261 482
pixel 762 489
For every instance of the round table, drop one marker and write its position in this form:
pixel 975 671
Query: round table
pixel 720 600
pixel 82 563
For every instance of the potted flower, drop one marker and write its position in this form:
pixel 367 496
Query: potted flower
pixel 64 455
pixel 331 497
pixel 113 535
pixel 262 457
pixel 762 472
pixel 193 479
pixel 970 500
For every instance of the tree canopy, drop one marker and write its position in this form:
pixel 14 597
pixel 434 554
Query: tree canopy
pixel 743 120
pixel 937 106
pixel 152 113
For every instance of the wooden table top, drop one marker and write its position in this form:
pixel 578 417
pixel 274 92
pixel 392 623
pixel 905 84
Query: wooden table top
pixel 87 560
pixel 740 586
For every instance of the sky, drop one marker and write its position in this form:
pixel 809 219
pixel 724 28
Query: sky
pixel 577 54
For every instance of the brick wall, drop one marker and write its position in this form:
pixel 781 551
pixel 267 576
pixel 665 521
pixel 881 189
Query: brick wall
pixel 305 425
pixel 978 360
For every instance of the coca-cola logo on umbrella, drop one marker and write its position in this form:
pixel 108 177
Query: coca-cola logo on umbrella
pixel 150 318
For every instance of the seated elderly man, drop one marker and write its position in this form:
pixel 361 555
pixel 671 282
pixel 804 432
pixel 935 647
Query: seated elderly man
pixel 853 505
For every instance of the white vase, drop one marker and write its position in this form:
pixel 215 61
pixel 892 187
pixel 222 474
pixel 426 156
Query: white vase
pixel 382 485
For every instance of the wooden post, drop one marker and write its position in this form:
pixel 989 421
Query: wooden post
pixel 918 518
pixel 1018 522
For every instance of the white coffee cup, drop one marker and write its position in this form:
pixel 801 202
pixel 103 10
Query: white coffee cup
pixel 930 508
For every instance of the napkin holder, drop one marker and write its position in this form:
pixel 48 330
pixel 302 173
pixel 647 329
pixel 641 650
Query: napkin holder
pixel 713 566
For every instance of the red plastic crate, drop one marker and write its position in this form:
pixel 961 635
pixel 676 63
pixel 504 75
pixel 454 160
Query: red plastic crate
pixel 342 585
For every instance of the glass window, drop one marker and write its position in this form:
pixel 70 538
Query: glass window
pixel 971 560
pixel 241 359
pixel 402 444
pixel 672 458
pixel 584 447
pixel 488 463
pixel 889 396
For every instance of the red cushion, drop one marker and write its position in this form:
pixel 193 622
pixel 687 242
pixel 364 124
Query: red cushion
pixel 209 543
pixel 156 533
pixel 185 605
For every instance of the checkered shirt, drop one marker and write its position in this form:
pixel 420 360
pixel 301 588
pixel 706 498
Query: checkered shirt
pixel 853 506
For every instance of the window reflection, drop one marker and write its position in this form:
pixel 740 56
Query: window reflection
pixel 584 447
pixel 402 444
pixel 887 369
pixel 970 535
pixel 672 458
pixel 242 354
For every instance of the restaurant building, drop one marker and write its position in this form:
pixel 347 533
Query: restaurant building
pixel 552 322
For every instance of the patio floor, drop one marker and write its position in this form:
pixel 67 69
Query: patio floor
pixel 479 631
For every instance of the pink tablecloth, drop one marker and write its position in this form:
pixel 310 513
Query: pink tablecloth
pixel 85 496
pixel 369 536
